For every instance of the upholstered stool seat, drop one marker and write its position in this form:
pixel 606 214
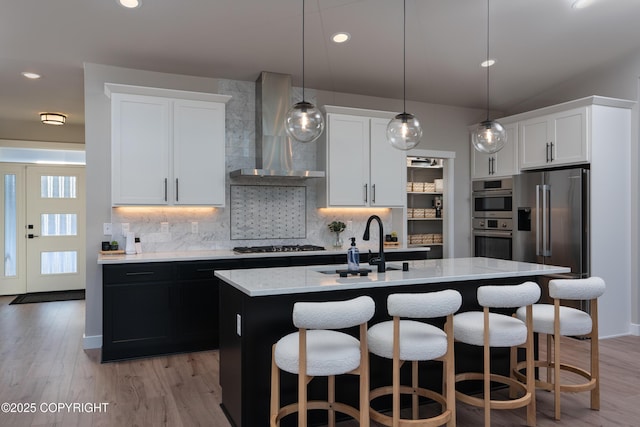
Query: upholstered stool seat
pixel 556 320
pixel 318 349
pixel 574 322
pixel 403 340
pixel 489 329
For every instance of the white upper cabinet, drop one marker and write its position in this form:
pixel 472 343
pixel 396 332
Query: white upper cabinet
pixel 362 169
pixel 500 164
pixel 166 150
pixel 388 168
pixel 555 139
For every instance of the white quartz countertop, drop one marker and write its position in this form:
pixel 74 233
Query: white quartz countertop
pixel 291 280
pixel 227 254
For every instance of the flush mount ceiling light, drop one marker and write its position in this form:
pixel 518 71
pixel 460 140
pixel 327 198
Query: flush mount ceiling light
pixel 53 118
pixel 130 4
pixel 404 131
pixel 581 4
pixel 304 122
pixel 489 136
pixel 340 37
pixel 30 75
pixel 488 63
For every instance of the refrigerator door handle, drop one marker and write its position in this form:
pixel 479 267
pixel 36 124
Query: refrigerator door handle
pixel 546 221
pixel 538 220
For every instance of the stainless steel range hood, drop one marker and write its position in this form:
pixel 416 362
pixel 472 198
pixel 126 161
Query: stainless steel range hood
pixel 274 153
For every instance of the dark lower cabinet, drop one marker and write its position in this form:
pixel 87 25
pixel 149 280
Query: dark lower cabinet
pixel 137 310
pixel 156 308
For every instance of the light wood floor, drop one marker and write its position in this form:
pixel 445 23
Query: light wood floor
pixel 42 362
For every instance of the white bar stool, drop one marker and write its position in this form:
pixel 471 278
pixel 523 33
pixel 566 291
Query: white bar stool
pixel 410 340
pixel 318 349
pixel 488 329
pixel 555 321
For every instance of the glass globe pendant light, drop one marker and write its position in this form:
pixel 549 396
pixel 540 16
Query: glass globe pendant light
pixel 304 122
pixel 489 136
pixel 404 130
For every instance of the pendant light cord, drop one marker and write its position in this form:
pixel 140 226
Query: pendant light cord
pixel 488 60
pixel 404 58
pixel 303 1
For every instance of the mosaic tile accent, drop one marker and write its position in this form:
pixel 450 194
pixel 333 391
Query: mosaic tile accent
pixel 268 212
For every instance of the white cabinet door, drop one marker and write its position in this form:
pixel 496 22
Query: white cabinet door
pixel 388 168
pixel 198 153
pixel 348 160
pixel 140 150
pixel 555 140
pixel 502 163
pixel 570 137
pixel 534 143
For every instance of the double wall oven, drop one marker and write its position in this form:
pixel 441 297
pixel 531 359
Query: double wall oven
pixel 492 220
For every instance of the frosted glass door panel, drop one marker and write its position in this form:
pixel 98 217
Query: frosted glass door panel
pixel 10 226
pixel 58 187
pixel 59 262
pixel 58 225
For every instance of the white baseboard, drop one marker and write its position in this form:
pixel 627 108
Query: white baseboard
pixel 635 329
pixel 91 342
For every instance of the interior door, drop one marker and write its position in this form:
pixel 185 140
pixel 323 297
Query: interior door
pixel 55 228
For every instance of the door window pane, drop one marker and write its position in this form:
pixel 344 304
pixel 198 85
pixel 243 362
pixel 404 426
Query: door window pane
pixel 58 225
pixel 59 262
pixel 58 187
pixel 10 226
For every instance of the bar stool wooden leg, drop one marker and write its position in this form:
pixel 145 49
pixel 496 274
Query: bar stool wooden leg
pixel 302 380
pixel 331 393
pixel 275 388
pixel 531 381
pixel 487 371
pixel 414 385
pixel 595 357
pixel 449 386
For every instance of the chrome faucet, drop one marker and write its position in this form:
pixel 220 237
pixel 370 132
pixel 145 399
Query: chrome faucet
pixel 380 260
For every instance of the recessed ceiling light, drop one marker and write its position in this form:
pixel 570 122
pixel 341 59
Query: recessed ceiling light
pixel 53 118
pixel 340 37
pixel 487 63
pixel 131 4
pixel 29 75
pixel 581 4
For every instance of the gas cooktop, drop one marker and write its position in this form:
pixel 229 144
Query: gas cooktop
pixel 276 248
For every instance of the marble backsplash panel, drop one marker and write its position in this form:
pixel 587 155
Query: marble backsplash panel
pixel 214 230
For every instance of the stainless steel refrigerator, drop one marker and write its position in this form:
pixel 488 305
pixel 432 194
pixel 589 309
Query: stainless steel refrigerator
pixel 551 209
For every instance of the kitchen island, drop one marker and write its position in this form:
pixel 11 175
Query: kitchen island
pixel 256 307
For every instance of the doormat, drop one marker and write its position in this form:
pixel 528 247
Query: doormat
pixel 48 297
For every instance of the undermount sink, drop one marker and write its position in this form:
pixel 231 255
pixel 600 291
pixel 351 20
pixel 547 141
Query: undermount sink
pixel 363 270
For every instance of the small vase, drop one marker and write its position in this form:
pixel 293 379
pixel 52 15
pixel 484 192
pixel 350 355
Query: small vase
pixel 338 242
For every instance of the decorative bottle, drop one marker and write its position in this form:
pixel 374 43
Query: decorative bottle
pixel 353 256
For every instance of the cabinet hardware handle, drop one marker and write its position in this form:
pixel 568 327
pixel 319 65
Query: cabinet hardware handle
pixel 489 159
pixel 551 151
pixel 373 193
pixel 547 153
pixel 177 194
pixel 139 273
pixel 366 189
pixel 165 189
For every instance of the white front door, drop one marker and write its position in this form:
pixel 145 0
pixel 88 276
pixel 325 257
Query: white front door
pixel 55 228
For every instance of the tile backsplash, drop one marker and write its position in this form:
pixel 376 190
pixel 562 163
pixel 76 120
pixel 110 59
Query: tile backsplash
pixel 218 228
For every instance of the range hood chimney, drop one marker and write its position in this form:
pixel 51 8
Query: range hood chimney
pixel 274 153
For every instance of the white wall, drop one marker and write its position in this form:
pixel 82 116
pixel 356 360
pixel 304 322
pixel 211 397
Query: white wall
pixel 445 129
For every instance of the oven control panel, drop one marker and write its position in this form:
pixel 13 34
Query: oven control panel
pixel 493 224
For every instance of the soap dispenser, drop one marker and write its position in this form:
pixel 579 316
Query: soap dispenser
pixel 353 256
